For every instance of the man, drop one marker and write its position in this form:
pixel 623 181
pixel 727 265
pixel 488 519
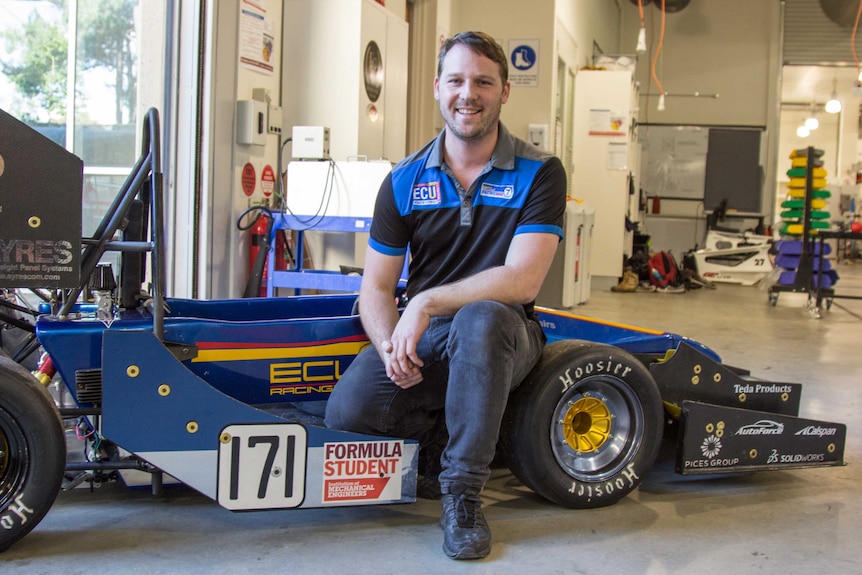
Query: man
pixel 482 214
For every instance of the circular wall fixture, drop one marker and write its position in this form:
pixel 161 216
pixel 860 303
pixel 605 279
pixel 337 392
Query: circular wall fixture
pixel 841 12
pixel 372 68
pixel 671 6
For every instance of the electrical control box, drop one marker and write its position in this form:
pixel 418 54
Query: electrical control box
pixel 310 143
pixel 251 122
pixel 274 120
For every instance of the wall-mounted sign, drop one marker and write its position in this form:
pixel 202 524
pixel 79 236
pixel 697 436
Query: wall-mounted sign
pixel 256 37
pixel 524 63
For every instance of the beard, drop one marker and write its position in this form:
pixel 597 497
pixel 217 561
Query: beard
pixel 468 129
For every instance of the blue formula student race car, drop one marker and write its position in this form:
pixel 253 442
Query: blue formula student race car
pixel 211 392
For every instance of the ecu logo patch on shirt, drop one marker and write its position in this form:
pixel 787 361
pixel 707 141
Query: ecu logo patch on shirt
pixel 498 191
pixel 426 194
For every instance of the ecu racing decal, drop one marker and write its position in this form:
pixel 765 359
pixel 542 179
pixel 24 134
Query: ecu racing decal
pixel 303 369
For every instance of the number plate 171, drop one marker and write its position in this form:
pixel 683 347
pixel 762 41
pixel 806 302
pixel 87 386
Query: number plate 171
pixel 262 466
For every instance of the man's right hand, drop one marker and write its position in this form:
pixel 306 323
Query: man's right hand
pixel 403 372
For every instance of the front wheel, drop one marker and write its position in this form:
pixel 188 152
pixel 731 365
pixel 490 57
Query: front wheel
pixel 585 426
pixel 32 452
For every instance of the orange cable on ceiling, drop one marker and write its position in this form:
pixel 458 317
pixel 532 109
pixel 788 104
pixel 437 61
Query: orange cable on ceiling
pixel 853 41
pixel 658 51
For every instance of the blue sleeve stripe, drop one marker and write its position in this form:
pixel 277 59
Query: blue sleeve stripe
pixel 540 229
pixel 386 250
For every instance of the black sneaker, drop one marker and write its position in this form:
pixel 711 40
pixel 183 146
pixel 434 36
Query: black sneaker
pixel 465 532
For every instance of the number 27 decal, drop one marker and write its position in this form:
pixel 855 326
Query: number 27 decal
pixel 262 466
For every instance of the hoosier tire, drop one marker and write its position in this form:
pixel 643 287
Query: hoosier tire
pixel 585 426
pixel 32 452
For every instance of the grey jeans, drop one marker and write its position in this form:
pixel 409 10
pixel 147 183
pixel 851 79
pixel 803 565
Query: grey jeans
pixel 473 361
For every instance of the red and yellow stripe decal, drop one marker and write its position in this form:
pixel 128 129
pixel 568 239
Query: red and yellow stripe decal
pixel 210 352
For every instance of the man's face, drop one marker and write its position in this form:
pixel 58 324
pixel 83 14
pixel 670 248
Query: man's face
pixel 471 92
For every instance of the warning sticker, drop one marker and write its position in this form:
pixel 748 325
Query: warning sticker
pixel 362 471
pixel 267 180
pixel 249 179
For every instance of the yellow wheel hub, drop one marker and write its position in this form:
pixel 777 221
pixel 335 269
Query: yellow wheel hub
pixel 587 425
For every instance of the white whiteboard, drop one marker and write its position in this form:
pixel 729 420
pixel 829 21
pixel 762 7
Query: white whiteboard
pixel 673 161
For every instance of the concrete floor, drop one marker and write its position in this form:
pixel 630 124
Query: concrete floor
pixel 781 522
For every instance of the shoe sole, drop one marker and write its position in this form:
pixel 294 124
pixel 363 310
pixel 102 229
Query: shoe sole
pixel 465 554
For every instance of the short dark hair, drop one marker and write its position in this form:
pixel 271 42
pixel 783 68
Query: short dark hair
pixel 478 42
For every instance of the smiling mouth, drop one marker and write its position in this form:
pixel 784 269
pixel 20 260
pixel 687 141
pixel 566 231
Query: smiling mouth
pixel 467 111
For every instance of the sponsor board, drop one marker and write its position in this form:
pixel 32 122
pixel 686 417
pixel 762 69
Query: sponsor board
pixel 723 439
pixel 41 186
pixel 691 376
pixel 362 471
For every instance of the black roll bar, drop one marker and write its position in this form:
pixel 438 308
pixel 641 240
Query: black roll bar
pixel 147 181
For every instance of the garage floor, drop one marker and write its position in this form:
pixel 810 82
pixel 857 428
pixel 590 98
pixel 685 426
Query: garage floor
pixel 782 522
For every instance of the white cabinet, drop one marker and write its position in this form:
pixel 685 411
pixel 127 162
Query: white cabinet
pixel 345 67
pixel 606 158
pixel 568 281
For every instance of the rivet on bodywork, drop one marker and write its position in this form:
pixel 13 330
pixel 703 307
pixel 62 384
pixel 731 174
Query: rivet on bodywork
pixel 164 390
pixel 133 371
pixel 192 426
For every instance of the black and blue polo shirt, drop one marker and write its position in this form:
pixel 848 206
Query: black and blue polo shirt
pixel 454 233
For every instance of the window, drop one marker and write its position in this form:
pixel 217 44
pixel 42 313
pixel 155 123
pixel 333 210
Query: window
pixel 70 71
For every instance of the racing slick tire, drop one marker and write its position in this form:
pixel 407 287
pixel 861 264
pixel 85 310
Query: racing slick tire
pixel 32 452
pixel 585 426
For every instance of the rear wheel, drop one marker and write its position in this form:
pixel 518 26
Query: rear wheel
pixel 585 426
pixel 32 452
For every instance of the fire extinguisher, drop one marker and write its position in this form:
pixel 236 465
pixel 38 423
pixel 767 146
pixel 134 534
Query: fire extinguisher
pixel 261 229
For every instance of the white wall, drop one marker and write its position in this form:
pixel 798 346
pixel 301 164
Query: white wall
pixel 589 20
pixel 728 49
pixel 721 47
pixel 224 256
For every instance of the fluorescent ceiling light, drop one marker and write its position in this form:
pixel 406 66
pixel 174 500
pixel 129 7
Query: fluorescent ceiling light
pixel 802 131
